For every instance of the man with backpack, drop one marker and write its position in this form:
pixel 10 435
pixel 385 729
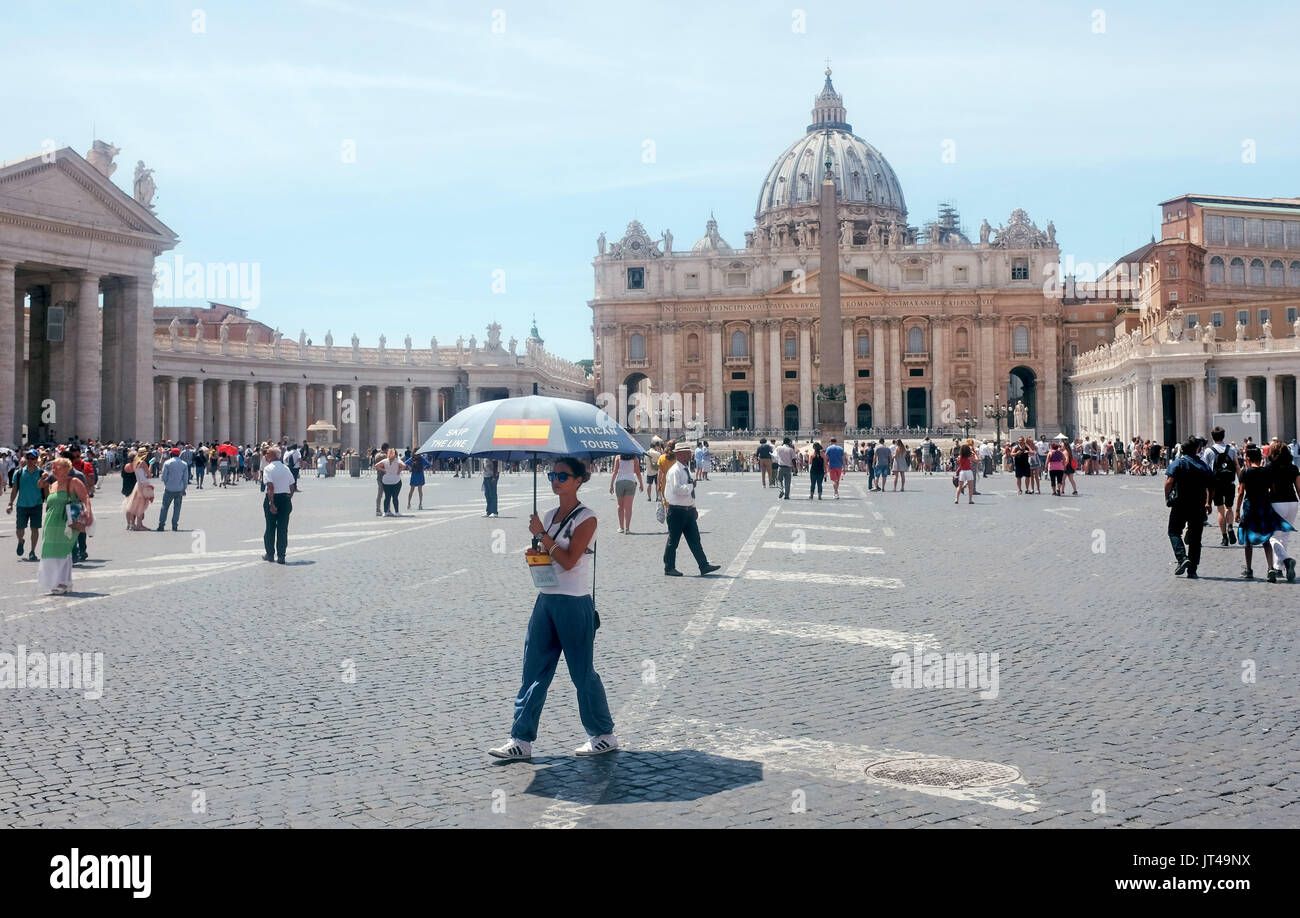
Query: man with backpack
pixel 1222 459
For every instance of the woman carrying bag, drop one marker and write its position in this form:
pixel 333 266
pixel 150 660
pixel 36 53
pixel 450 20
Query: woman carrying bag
pixel 564 620
pixel 67 513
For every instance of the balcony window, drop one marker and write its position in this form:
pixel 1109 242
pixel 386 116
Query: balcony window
pixel 791 346
pixel 864 345
pixel 1020 340
pixel 739 344
pixel 636 347
pixel 915 340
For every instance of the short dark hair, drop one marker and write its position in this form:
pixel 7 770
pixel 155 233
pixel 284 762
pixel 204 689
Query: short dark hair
pixel 1218 434
pixel 577 467
pixel 1189 448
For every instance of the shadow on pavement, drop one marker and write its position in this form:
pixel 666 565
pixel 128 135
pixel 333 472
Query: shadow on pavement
pixel 642 776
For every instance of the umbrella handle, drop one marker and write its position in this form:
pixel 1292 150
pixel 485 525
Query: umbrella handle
pixel 537 542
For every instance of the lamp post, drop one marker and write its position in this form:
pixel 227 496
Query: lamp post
pixel 996 412
pixel 966 423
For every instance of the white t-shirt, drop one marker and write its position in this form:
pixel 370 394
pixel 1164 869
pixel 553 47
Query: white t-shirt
pixel 293 459
pixel 627 469
pixel 577 580
pixel 392 471
pixel 278 476
pixel 784 455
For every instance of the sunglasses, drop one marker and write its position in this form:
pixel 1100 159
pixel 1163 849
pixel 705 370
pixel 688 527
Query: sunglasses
pixel 561 477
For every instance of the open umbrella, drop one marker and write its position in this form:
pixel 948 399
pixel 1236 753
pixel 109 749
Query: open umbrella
pixel 1060 436
pixel 228 449
pixel 519 429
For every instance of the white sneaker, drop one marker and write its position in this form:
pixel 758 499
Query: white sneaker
pixel 596 745
pixel 513 749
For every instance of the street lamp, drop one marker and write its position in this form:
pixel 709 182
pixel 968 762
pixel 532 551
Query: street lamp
pixel 996 412
pixel 966 423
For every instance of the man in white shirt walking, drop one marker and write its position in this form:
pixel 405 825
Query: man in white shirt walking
pixel 784 469
pixel 277 505
pixel 679 492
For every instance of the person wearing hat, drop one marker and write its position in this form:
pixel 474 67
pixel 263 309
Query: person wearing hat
pixel 175 476
pixel 679 494
pixel 29 493
pixel 652 468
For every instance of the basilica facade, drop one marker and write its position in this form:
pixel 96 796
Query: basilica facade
pixel 935 325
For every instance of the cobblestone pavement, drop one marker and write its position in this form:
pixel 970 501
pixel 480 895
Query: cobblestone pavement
pixel 360 684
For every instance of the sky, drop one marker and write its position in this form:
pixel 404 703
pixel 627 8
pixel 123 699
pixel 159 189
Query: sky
pixel 426 168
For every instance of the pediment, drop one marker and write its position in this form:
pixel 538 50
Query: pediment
pixel 68 190
pixel 812 285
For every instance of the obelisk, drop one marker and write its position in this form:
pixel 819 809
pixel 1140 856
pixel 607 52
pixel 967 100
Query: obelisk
pixel 830 414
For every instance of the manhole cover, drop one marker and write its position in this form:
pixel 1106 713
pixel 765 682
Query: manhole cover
pixel 950 773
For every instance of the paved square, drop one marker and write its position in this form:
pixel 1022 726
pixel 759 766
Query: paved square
pixel 360 684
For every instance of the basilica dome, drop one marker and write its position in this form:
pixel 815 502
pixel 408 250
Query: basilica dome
pixel 862 175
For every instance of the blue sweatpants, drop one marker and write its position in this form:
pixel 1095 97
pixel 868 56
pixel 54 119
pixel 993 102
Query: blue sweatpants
pixel 567 624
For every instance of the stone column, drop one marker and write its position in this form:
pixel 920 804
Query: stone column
pixel 1051 381
pixel 274 396
pixel 879 411
pixel 173 431
pixel 381 416
pixel 668 361
pixel 1242 391
pixel 1157 409
pixel 897 372
pixel 300 415
pixel 1272 408
pixel 805 374
pixel 347 431
pixel 760 374
pixel 136 384
pixel 1199 427
pixel 939 370
pixel 406 428
pixel 38 364
pixel 10 358
pixel 88 385
pixel 716 411
pixel 250 412
pixel 223 410
pixel 200 416
pixel 775 374
pixel 850 374
pixel 987 366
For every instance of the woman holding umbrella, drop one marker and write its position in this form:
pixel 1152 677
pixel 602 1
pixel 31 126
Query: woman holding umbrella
pixel 564 620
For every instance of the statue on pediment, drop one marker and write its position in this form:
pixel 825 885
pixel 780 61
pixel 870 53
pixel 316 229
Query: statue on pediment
pixel 406 345
pixel 873 234
pixel 985 232
pixel 145 187
pixel 101 156
pixel 473 346
pixel 1241 331
pixel 1051 233
pixel 1194 333
pixel 494 336
pixel 668 242
pixel 223 333
pixel 513 344
pixel 329 338
pixel 174 330
pixel 600 244
pixel 383 345
pixel 846 232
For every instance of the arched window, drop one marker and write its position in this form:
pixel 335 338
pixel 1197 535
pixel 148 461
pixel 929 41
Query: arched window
pixel 864 344
pixel 1020 340
pixel 1237 271
pixel 1276 270
pixel 1216 270
pixel 915 340
pixel 963 341
pixel 864 415
pixel 1257 273
pixel 1295 274
pixel 693 345
pixel 791 346
pixel 636 346
pixel 739 344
